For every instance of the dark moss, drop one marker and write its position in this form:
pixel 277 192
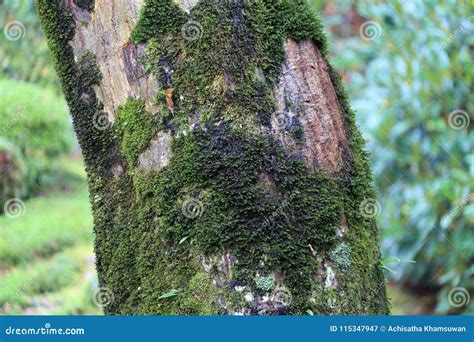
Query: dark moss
pixel 86 4
pixel 157 17
pixel 298 134
pixel 77 80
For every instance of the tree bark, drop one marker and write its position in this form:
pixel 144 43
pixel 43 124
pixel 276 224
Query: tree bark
pixel 226 172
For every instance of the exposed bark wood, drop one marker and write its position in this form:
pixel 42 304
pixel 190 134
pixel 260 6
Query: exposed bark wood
pixel 158 154
pixel 306 89
pixel 187 5
pixel 106 33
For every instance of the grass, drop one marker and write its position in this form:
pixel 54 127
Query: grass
pixel 44 276
pixel 46 258
pixel 50 225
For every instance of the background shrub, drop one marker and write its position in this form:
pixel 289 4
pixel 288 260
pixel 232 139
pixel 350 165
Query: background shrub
pixel 12 171
pixel 27 58
pixel 35 131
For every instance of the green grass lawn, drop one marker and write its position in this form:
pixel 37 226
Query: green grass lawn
pixel 46 258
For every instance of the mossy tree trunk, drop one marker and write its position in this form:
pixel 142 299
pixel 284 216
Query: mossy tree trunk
pixel 226 172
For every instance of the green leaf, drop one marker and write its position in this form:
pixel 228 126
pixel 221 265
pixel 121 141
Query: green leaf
pixel 388 269
pixel 169 294
pixel 182 240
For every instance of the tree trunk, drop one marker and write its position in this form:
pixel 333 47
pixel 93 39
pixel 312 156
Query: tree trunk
pixel 226 172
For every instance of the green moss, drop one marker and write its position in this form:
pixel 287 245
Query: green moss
pixel 298 134
pixel 219 74
pixel 77 80
pixel 156 18
pixel 86 4
pixel 136 127
pixel 101 152
pixel 88 69
pixel 217 165
pixel 201 296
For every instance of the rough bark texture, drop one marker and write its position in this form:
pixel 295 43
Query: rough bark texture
pixel 305 83
pixel 228 172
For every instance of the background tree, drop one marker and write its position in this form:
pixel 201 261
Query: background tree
pixel 225 170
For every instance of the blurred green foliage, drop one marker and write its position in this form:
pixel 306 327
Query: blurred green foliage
pixel 12 171
pixel 34 131
pixel 26 58
pixel 405 81
pixel 46 258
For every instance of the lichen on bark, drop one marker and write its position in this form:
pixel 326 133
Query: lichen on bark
pixel 237 218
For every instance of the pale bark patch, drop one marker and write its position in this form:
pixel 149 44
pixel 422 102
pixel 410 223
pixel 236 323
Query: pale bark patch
pixel 330 278
pixel 305 91
pixel 106 33
pixel 117 169
pixel 186 5
pixel 158 154
pixel 344 228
